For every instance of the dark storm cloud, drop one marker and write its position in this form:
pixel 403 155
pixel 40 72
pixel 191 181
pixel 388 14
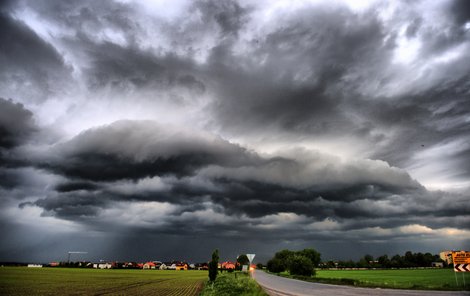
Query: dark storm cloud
pixel 17 127
pixel 318 73
pixel 27 61
pixel 460 10
pixel 128 68
pixel 436 116
pixel 16 124
pixel 137 149
pixel 190 170
pixel 228 14
pixel 298 86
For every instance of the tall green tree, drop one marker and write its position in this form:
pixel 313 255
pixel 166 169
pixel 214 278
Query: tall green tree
pixel 213 265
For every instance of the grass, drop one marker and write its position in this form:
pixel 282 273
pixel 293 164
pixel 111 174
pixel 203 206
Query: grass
pixel 77 281
pixel 415 279
pixel 233 284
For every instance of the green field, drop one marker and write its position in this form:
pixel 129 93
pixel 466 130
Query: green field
pixel 429 279
pixel 75 281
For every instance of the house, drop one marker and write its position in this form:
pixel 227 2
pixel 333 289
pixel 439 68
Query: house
pixel 179 265
pixel 149 265
pixel 163 266
pixel 227 265
pixel 102 265
pixel 201 266
pixel 437 264
pixel 157 264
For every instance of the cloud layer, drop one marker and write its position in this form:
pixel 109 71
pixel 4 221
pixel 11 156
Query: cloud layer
pixel 218 122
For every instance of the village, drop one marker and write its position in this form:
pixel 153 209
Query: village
pixel 155 265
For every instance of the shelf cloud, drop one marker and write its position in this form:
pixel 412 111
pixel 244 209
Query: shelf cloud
pixel 239 125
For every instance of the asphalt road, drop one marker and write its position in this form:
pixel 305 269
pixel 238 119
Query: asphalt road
pixel 280 286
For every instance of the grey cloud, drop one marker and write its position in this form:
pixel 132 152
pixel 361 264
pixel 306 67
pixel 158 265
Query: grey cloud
pixel 16 124
pixel 189 169
pixel 460 10
pixel 321 73
pixel 137 149
pixel 29 64
pixel 228 14
pixel 301 85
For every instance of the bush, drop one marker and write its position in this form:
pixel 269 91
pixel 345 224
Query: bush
pixel 276 265
pixel 300 265
pixel 233 284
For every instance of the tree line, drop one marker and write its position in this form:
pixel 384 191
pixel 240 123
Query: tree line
pixel 408 260
pixel 305 261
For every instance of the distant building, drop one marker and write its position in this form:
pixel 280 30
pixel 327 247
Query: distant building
pixel 201 266
pixel 149 265
pixel 228 265
pixel 103 265
pixel 35 265
pixel 446 256
pixel 437 264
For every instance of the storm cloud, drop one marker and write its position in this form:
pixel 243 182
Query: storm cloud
pixel 243 125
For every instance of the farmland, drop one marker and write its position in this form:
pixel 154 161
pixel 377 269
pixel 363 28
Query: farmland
pixel 75 281
pixel 434 279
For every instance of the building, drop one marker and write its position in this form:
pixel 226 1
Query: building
pixel 228 265
pixel 149 265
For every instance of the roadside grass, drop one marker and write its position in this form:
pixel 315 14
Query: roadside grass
pixel 413 279
pixel 78 281
pixel 233 284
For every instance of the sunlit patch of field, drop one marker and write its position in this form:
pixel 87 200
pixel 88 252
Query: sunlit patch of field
pixel 433 279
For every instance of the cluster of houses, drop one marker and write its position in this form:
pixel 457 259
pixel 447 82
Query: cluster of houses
pixel 172 265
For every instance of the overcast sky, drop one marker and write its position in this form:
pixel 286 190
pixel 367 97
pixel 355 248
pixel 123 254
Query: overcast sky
pixel 139 130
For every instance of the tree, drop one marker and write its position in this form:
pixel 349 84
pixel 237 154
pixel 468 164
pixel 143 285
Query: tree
pixel 284 255
pixel 311 254
pixel 276 265
pixel 242 260
pixel 213 265
pixel 384 261
pixel 301 265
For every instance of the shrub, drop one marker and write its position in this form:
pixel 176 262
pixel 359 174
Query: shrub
pixel 276 265
pixel 300 265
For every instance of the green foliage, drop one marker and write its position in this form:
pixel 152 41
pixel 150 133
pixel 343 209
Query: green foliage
pixel 213 265
pixel 281 260
pixel 311 254
pixel 276 265
pixel 233 284
pixel 409 260
pixel 300 265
